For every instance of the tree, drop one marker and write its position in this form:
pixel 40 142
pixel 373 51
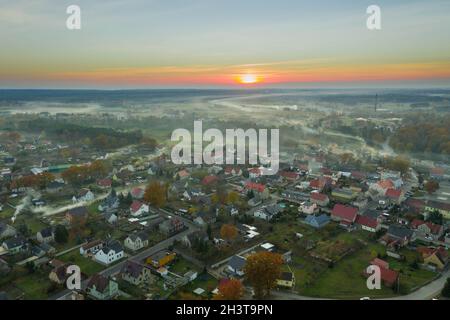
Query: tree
pixel 209 231
pixel 228 232
pixel 398 164
pixel 233 197
pixel 61 234
pixel 435 217
pixel 431 186
pixel 231 289
pixel 446 291
pixel 156 194
pixel 261 270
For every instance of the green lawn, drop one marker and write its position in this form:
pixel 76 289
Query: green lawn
pixel 87 266
pixel 34 286
pixel 181 266
pixel 345 281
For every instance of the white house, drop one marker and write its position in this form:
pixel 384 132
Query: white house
pixel 110 253
pixel 136 241
pixel 308 207
pixel 85 195
pixel 138 208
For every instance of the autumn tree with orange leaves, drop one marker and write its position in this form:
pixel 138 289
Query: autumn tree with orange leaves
pixel 156 194
pixel 231 289
pixel 228 232
pixel 262 270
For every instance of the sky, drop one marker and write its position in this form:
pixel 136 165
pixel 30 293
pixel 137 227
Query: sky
pixel 223 43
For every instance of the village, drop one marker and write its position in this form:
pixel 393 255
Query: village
pixel 140 227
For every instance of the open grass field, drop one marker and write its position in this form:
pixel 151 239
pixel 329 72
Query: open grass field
pixel 87 266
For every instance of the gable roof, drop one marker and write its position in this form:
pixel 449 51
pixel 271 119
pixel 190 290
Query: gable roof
pixel 367 221
pixel 99 282
pixel 393 193
pixel 255 186
pixel 318 196
pixel 237 262
pixel 400 232
pixel 345 212
pixel 434 228
pixel 132 268
pixel 136 205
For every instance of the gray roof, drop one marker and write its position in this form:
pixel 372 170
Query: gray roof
pixel 400 232
pixel 15 242
pixel 112 245
pixel 237 262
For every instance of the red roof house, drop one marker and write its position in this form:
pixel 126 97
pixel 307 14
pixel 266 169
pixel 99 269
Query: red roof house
pixel 367 223
pixel 344 213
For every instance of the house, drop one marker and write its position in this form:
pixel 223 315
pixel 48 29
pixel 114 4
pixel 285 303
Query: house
pixel 102 288
pixel 234 171
pixel 104 183
pixel 380 263
pixel 136 273
pixel 54 187
pixel 289 175
pixel 110 253
pixel 236 265
pixel 427 230
pixel 268 212
pixel 442 207
pixel 294 196
pixel 389 277
pixel 320 183
pixel 136 241
pixel 14 245
pixel 205 218
pixel 190 276
pixel 344 214
pixel 320 199
pixel 91 248
pixel 137 193
pixel 257 189
pixel 368 223
pixel 59 274
pixel 110 203
pixel 394 196
pixel 344 194
pixel 138 208
pixel 85 195
pixel 111 218
pixel 76 215
pixel 46 235
pixel 398 236
pixel 434 257
pixel 195 237
pixel 171 226
pixel 161 258
pixel 308 207
pixel 6 231
pixel 286 280
pixel 414 205
pixel 317 221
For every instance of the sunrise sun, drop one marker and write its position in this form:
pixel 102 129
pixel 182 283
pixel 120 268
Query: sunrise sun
pixel 249 78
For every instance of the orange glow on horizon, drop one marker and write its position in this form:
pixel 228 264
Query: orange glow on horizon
pixel 249 78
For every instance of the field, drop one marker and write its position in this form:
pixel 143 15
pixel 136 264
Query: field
pixel 350 253
pixel 87 266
